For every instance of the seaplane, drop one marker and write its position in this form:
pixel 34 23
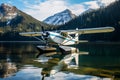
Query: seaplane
pixel 65 38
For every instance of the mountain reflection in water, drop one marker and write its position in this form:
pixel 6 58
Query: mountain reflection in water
pixel 23 55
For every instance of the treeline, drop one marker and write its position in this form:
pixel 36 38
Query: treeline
pixel 107 16
pixel 14 36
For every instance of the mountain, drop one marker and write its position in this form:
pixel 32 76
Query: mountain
pixel 87 11
pixel 12 21
pixel 60 18
pixel 7 12
pixel 107 16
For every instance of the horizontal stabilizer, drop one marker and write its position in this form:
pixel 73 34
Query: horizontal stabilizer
pixel 82 41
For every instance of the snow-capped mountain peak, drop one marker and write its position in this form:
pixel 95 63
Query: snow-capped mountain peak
pixel 7 11
pixel 60 18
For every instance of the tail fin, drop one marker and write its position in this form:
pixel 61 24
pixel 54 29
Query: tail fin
pixel 76 35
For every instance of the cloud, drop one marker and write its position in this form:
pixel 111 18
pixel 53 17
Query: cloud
pixel 72 76
pixel 10 2
pixel 49 7
pixel 107 2
pixel 41 9
pixel 77 8
pixel 92 4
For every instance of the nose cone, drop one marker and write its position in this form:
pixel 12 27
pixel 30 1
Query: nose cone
pixel 47 33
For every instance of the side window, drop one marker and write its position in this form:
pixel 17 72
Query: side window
pixel 64 34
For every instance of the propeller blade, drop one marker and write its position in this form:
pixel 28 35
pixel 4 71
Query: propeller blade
pixel 43 30
pixel 45 35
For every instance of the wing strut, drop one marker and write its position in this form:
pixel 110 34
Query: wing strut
pixel 39 39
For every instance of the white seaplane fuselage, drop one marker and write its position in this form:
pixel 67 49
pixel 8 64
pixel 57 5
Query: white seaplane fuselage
pixel 60 39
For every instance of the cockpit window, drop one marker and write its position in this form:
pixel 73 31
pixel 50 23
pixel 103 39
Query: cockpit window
pixel 64 34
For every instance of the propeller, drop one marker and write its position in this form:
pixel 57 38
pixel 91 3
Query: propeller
pixel 43 30
pixel 45 35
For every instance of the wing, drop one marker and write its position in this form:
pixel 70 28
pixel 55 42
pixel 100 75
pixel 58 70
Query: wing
pixel 90 30
pixel 80 31
pixel 31 33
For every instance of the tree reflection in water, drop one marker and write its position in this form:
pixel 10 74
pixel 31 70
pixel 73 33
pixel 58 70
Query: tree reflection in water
pixel 7 68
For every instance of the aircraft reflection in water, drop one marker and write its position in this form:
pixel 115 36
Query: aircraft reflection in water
pixel 59 64
pixel 7 69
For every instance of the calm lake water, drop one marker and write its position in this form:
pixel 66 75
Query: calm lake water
pixel 18 61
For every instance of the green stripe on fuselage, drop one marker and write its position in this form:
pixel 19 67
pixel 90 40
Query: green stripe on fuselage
pixel 62 37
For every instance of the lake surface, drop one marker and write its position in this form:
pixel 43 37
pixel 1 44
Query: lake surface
pixel 19 61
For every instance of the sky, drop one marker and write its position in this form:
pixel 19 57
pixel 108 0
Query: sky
pixel 41 9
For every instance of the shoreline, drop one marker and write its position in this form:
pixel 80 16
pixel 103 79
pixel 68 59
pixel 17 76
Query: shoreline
pixel 79 43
